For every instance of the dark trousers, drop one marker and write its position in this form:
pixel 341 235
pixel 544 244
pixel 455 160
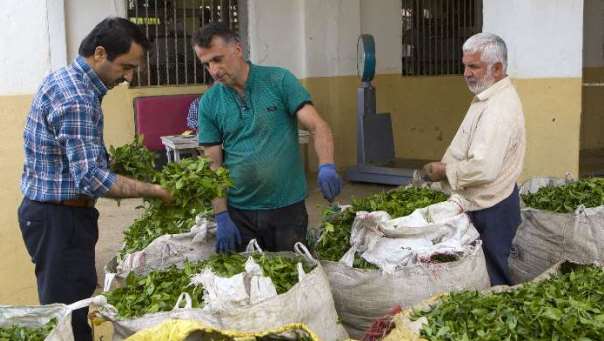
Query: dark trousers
pixel 275 230
pixel 497 226
pixel 60 241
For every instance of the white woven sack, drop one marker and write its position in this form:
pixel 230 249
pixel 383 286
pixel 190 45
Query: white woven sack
pixel 399 242
pixel 37 316
pixel 167 250
pixel 309 302
pixel 544 238
pixel 363 295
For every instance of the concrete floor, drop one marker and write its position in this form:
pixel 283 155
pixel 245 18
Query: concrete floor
pixel 114 219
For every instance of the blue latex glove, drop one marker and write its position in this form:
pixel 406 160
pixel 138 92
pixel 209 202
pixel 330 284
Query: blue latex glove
pixel 227 234
pixel 329 181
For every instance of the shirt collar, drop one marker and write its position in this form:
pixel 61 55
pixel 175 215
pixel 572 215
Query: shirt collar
pixel 494 89
pixel 250 75
pixel 97 84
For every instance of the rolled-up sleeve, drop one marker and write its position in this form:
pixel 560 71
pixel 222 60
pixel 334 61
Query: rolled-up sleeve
pixel 486 152
pixel 83 147
pixel 295 95
pixel 208 132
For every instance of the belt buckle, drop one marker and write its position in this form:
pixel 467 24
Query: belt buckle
pixel 83 202
pixel 88 202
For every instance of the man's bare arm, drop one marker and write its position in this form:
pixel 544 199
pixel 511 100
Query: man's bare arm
pixel 125 187
pixel 214 153
pixel 319 129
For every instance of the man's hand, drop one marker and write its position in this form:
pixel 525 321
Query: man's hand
pixel 163 195
pixel 419 178
pixel 435 171
pixel 228 237
pixel 329 181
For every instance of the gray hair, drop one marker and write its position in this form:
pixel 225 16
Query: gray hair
pixel 491 47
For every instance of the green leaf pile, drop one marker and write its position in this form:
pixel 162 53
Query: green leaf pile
pixel 20 333
pixel 566 198
pixel 336 227
pixel 193 185
pixel 569 306
pixel 159 290
pixel 156 221
pixel 133 160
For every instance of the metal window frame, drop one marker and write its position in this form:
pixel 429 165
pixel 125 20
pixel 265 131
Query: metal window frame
pixel 437 31
pixel 172 61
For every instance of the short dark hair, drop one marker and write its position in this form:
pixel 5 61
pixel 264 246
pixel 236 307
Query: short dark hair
pixel 115 35
pixel 204 36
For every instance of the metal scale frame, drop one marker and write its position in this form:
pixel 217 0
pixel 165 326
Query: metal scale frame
pixel 376 162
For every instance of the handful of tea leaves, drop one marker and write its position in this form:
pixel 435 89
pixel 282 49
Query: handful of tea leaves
pixel 133 160
pixel 193 185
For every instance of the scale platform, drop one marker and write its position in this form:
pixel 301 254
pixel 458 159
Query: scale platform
pixel 395 172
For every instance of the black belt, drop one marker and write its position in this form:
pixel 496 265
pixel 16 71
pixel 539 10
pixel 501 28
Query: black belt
pixel 77 202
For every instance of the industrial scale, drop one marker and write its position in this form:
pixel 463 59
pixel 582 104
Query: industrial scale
pixel 376 162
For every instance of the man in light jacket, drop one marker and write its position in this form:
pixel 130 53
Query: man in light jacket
pixel 486 155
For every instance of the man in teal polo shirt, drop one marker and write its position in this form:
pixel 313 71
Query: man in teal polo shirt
pixel 248 122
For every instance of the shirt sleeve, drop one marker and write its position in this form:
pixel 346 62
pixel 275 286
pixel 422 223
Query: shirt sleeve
pixel 487 151
pixel 295 95
pixel 193 114
pixel 83 146
pixel 207 131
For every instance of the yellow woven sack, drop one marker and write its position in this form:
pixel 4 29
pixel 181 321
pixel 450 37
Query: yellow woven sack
pixel 181 330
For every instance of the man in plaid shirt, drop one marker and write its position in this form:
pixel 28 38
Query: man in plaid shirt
pixel 66 165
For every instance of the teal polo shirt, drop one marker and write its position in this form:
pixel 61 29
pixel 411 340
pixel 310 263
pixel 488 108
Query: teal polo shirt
pixel 259 134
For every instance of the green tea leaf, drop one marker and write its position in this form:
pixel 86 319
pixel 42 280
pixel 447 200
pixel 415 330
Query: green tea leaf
pixel 20 333
pixel 564 307
pixel 567 198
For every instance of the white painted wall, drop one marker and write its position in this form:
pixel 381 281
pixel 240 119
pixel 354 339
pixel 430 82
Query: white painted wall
pixel 382 19
pixel 593 54
pixel 26 46
pixel 275 34
pixel 331 30
pixel 57 35
pixel 311 38
pixel 544 37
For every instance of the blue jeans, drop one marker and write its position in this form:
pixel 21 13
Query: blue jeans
pixel 497 226
pixel 60 241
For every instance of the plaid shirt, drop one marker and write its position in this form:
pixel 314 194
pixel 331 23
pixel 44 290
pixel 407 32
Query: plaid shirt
pixel 65 155
pixel 193 114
